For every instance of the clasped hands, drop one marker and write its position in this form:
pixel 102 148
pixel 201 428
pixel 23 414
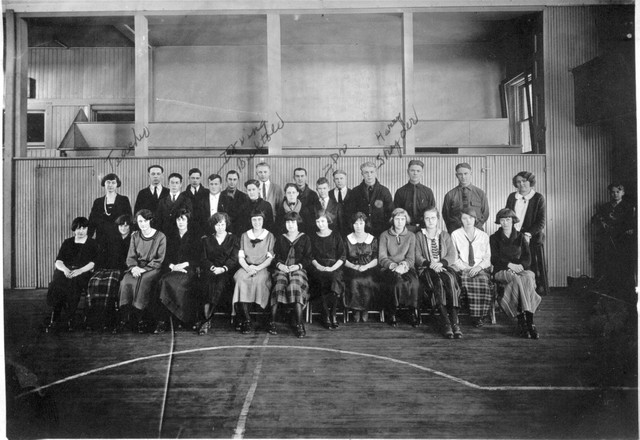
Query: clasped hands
pixel 399 268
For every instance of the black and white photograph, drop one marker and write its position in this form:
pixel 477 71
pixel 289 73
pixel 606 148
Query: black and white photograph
pixel 320 219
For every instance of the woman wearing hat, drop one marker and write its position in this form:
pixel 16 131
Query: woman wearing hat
pixel 511 259
pixel 472 265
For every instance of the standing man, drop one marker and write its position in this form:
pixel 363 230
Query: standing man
pixel 269 191
pixel 214 202
pixel 148 197
pixel 372 199
pixel 169 206
pixel 195 192
pixel 326 204
pixel 464 195
pixel 235 199
pixel 414 197
pixel 306 195
pixel 340 192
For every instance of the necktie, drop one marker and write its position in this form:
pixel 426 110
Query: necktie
pixel 414 207
pixel 323 203
pixel 264 190
pixel 435 252
pixel 370 192
pixel 173 198
pixel 340 196
pixel 465 197
pixel 155 192
pixel 471 257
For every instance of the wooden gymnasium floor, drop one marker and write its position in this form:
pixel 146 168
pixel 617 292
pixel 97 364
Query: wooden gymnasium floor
pixel 361 380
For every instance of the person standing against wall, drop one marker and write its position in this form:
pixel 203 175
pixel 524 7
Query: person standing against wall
pixel 465 195
pixel 414 197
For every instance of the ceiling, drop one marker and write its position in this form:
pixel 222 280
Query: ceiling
pixel 229 30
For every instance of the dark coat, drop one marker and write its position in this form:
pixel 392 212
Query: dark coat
pixel 378 208
pixel 204 212
pixel 513 249
pixel 424 199
pixel 146 200
pixel 536 217
pixel 167 212
pixel 103 225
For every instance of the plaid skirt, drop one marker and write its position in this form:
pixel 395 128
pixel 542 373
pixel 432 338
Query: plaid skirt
pixel 441 289
pixel 102 295
pixel 519 292
pixel 289 288
pixel 479 292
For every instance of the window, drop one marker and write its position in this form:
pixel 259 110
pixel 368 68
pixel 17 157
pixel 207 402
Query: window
pixel 113 113
pixel 35 128
pixel 518 93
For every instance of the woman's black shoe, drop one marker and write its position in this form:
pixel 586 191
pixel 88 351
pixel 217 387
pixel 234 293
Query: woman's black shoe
pixel 327 323
pixel 272 329
pixel 334 322
pixel 160 328
pixel 392 321
pixel 300 331
pixel 247 327
pixel 533 332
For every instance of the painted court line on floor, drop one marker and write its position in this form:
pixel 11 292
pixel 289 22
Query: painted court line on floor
pixel 242 420
pixel 333 350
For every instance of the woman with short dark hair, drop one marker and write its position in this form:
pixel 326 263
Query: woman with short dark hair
pixel 104 285
pixel 397 255
pixel 144 261
pixel 291 284
pixel 218 263
pixel 106 210
pixel 255 203
pixel 511 259
pixel 74 263
pixel 530 207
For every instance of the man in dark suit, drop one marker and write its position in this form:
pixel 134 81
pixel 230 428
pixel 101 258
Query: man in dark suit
pixel 196 192
pixel 169 206
pixel 372 199
pixel 330 206
pixel 340 192
pixel 235 198
pixel 148 197
pixel 414 197
pixel 214 201
pixel 306 195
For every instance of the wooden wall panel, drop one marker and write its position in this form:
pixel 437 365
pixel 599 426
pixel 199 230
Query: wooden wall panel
pixel 62 117
pixel 578 158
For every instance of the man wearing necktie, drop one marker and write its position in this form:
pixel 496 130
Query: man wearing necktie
pixel 414 197
pixel 340 192
pixel 149 197
pixel 269 191
pixel 330 206
pixel 465 195
pixel 169 206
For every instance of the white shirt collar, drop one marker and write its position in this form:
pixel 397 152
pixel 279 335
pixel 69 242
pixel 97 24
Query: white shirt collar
pixel 252 236
pixel 352 238
pixel 527 197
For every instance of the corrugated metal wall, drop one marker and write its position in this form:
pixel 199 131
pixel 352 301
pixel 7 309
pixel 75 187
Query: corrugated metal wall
pixel 82 73
pixel 578 158
pixel 51 192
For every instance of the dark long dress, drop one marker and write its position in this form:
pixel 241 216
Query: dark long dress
pixel 362 287
pixel 327 251
pixel 293 287
pixel 215 254
pixel 534 223
pixel 104 285
pixel 177 288
pixel 102 219
pixel 147 253
pixel 64 293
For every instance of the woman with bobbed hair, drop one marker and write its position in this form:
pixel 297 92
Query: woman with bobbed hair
pixel 104 285
pixel 361 269
pixel 396 255
pixel 472 265
pixel 106 210
pixel 255 203
pixel 328 256
pixel 144 261
pixel 511 258
pixel 291 284
pixel 74 263
pixel 530 207
pixel 435 253
pixel 176 286
pixel 218 263
pixel 253 280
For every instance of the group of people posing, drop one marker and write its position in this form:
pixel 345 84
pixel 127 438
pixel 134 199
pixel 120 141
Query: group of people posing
pixel 184 253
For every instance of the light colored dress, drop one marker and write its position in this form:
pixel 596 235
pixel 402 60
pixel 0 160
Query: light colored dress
pixel 255 250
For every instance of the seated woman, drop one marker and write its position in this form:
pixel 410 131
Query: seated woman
pixel 360 269
pixel 74 263
pixel 511 259
pixel 435 253
pixel 218 263
pixel 255 203
pixel 397 259
pixel 328 256
pixel 144 261
pixel 291 285
pixel 177 296
pixel 530 207
pixel 253 280
pixel 104 285
pixel 291 203
pixel 472 264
